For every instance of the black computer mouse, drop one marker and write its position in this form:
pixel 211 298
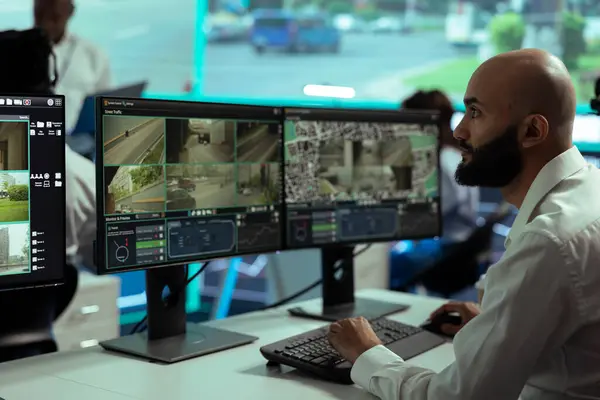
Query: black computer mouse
pixel 435 325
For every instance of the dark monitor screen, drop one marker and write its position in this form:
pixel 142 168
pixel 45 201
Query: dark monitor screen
pixel 32 191
pixel 357 176
pixel 185 181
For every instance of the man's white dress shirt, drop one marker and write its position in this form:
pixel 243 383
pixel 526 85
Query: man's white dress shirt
pixel 83 70
pixel 538 335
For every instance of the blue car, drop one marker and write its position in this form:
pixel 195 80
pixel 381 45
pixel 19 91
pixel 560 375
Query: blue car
pixel 294 33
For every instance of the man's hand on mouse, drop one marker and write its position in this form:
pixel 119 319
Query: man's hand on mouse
pixel 351 337
pixel 466 310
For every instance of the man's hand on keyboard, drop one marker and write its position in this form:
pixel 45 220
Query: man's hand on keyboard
pixel 351 337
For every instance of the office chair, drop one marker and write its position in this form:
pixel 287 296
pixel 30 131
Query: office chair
pixel 27 331
pixel 461 265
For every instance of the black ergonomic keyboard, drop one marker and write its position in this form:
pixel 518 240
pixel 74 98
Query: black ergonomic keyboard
pixel 311 352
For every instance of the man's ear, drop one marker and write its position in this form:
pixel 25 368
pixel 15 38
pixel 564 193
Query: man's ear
pixel 535 130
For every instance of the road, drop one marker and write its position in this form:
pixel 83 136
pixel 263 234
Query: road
pixel 210 194
pixel 235 70
pixel 205 153
pixel 152 198
pixel 255 198
pixel 258 146
pixel 135 148
pixel 14 269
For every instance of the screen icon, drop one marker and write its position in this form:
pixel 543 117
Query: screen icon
pixel 50 102
pixel 58 102
pixel 32 132
pixel 57 183
pixel 48 124
pixel 58 175
pixel 40 124
pixel 18 102
pixel 46 184
pixel 9 102
pixel 33 251
pixel 2 101
pixel 58 132
pixel 27 102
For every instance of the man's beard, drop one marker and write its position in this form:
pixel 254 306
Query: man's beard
pixel 495 164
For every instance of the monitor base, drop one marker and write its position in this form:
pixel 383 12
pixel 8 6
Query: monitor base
pixel 198 340
pixel 370 309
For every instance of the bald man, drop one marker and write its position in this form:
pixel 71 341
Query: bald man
pixel 537 333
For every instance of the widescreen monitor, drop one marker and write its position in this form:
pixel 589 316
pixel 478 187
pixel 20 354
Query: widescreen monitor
pixel 358 176
pixel 178 183
pixel 182 182
pixel 32 191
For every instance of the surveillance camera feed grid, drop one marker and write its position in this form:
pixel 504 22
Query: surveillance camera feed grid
pixel 347 161
pixel 188 164
pixel 15 252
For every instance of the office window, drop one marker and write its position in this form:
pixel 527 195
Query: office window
pixel 384 49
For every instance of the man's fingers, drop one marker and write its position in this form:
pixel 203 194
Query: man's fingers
pixel 448 307
pixel 335 327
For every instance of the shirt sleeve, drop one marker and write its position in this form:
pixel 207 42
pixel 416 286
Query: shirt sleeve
pixel 528 295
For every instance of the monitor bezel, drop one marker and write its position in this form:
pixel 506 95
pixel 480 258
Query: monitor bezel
pixel 393 115
pixel 100 242
pixel 42 283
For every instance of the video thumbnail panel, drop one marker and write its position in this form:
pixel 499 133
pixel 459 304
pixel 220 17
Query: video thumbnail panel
pixel 14 249
pixel 257 142
pixel 346 161
pixel 200 186
pixel 133 140
pixel 134 189
pixel 258 184
pixel 198 141
pixel 14 146
pixel 14 196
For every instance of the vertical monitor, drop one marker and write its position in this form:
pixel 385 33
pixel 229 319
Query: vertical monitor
pixel 181 182
pixel 32 191
pixel 358 176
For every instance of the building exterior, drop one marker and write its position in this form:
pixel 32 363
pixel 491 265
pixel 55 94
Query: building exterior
pixel 4 246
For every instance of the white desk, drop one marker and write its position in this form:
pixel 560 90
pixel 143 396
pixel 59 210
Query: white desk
pixel 239 373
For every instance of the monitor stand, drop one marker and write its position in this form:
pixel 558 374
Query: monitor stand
pixel 169 338
pixel 337 265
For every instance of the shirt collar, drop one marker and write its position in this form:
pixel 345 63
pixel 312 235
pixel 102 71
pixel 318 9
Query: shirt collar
pixel 557 170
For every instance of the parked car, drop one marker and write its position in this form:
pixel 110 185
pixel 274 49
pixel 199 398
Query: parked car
pixel 180 199
pixel 294 32
pixel 186 184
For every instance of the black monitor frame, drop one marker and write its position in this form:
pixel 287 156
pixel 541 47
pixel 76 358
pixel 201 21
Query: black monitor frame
pixel 211 110
pixel 337 259
pixel 168 338
pixel 40 171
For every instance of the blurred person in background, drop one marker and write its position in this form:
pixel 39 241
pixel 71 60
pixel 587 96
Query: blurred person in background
pixel 460 204
pixel 83 69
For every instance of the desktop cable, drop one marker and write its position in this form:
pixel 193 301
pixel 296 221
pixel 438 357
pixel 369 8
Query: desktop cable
pixel 140 327
pixel 311 286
